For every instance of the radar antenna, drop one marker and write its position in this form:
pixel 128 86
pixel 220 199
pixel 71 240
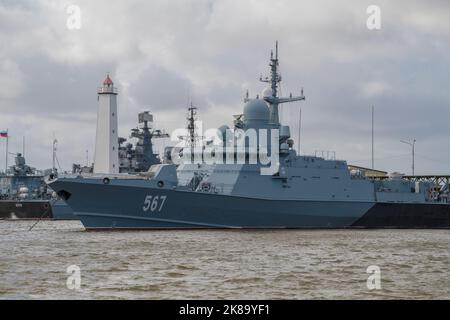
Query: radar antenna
pixel 275 78
pixel 145 133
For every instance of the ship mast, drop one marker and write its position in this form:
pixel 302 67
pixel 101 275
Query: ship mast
pixel 192 137
pixel 54 149
pixel 145 156
pixel 275 78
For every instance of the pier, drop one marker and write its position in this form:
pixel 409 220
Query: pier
pixel 437 180
pixel 440 181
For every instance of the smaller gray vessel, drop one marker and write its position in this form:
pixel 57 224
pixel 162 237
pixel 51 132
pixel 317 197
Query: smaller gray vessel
pixel 24 194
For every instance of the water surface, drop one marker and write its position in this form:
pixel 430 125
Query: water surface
pixel 277 264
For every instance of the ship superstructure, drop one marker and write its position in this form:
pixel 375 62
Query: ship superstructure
pixel 142 156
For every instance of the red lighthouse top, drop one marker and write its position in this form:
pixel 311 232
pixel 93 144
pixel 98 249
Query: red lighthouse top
pixel 108 87
pixel 107 81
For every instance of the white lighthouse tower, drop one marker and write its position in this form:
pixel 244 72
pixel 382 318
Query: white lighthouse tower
pixel 106 143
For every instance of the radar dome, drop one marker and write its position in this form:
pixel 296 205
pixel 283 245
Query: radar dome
pixel 256 110
pixel 267 92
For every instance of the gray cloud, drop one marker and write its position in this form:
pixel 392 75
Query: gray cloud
pixel 172 90
pixel 57 89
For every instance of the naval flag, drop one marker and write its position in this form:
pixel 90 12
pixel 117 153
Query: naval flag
pixel 3 134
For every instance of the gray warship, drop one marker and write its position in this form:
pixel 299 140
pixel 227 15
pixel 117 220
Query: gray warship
pixel 297 191
pixel 24 194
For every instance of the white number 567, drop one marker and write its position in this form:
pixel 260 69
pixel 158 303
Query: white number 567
pixel 155 203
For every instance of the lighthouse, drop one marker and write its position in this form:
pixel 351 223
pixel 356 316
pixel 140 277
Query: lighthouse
pixel 106 142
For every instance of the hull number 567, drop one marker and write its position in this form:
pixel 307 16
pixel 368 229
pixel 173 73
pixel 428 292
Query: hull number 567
pixel 154 203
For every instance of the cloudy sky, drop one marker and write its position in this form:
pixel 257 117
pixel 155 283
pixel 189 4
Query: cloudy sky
pixel 162 54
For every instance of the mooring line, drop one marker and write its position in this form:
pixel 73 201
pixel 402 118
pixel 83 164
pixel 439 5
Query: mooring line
pixel 40 218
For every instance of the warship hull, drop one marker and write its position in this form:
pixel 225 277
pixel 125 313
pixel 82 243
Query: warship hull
pixel 35 209
pixel 28 209
pixel 122 206
pixel 62 211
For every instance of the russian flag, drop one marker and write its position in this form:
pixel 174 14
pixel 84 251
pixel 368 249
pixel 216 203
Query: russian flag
pixel 3 134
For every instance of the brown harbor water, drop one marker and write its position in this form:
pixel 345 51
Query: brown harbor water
pixel 282 264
